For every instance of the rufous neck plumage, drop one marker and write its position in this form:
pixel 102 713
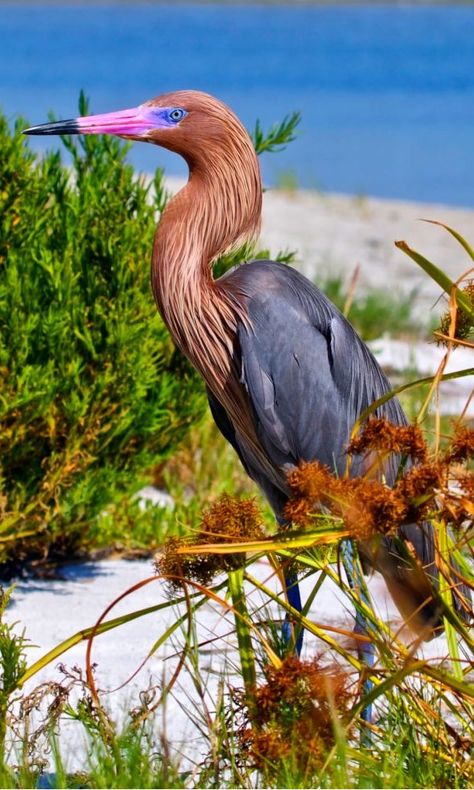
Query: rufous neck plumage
pixel 219 208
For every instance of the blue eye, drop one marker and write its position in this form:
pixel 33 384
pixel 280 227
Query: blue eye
pixel 176 115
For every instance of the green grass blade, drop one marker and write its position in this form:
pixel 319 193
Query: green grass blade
pixel 448 680
pixel 286 540
pixel 457 374
pixel 447 597
pixel 439 277
pixel 462 241
pixel 244 640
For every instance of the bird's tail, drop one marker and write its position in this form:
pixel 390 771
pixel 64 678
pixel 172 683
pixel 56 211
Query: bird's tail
pixel 414 585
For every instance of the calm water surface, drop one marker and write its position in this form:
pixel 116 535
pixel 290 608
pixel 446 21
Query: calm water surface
pixel 386 93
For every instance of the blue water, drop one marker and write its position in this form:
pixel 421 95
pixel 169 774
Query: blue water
pixel 386 92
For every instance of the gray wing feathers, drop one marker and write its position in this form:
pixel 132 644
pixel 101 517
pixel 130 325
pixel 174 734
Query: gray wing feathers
pixel 307 374
pixel 309 377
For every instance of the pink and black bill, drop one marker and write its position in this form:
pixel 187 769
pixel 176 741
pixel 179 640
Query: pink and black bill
pixel 135 122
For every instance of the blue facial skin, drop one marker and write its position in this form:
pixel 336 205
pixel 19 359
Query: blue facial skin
pixel 166 116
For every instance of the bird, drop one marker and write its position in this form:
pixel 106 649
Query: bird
pixel 287 376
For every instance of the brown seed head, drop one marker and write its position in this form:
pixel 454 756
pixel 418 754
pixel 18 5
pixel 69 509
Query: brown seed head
pixel 176 568
pixel 463 322
pixel 294 713
pixel 462 445
pixel 228 520
pixel 418 487
pixel 309 481
pixel 382 436
pixel 368 507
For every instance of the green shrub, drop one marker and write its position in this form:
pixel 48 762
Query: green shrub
pixel 92 390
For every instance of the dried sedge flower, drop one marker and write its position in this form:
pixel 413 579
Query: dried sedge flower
pixel 462 445
pixel 174 566
pixel 458 502
pixel 293 715
pixel 464 326
pixel 367 507
pixel 308 482
pixel 380 434
pixel 308 479
pixel 419 481
pixel 418 487
pixel 228 520
pixel 231 520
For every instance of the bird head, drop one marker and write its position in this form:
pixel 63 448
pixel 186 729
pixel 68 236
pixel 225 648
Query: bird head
pixel 190 123
pixel 216 146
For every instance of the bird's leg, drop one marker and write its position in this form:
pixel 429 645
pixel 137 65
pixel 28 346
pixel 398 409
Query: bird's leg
pixel 365 649
pixel 294 599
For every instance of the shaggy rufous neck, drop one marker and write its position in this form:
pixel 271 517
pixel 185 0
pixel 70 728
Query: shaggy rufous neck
pixel 219 208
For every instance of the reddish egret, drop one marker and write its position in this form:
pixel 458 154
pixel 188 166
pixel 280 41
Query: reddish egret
pixel 286 374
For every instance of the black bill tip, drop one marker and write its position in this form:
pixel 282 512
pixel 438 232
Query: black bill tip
pixel 58 127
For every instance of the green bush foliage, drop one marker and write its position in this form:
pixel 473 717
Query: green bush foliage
pixel 92 391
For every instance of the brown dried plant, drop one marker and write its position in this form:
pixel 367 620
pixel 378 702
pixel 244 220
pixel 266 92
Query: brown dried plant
pixel 228 520
pixel 461 447
pixel 294 715
pixel 380 435
pixel 368 507
pixel 463 324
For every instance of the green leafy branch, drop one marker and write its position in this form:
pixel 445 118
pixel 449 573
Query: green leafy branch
pixel 278 136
